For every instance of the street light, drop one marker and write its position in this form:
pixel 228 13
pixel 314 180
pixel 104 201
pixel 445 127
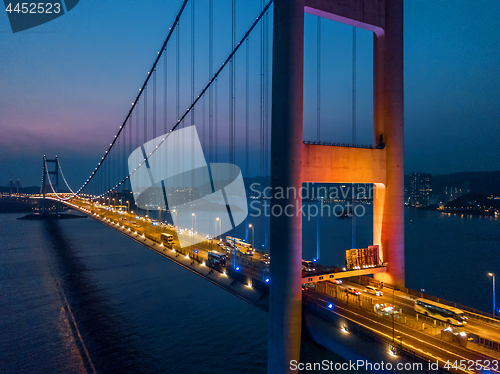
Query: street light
pixel 493 276
pixel 220 230
pixel 194 230
pixel 393 311
pixel 253 237
pixel 159 220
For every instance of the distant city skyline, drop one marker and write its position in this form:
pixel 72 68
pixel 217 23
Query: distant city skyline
pixel 68 84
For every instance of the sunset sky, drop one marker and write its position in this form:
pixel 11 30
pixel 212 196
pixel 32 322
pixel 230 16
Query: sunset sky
pixel 66 86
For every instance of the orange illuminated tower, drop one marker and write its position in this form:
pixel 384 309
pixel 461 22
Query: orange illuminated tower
pixel 293 162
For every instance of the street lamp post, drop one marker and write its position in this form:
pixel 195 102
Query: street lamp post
pixel 220 230
pixel 253 236
pixel 194 230
pixel 174 211
pixel 159 219
pixel 493 276
pixel 393 312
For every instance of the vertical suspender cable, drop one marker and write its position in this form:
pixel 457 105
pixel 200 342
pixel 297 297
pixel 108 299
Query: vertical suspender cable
pixel 145 102
pixel 354 186
pixel 231 86
pixel 165 91
pixel 154 111
pixel 318 78
pixel 262 94
pixel 137 139
pixel 247 108
pixel 177 88
pixel 129 142
pixel 265 19
pixel 354 85
pixel 192 60
pixel 210 74
pixel 119 159
pixel 216 119
pixel 177 75
pixel 154 104
pixel 192 89
pixel 318 119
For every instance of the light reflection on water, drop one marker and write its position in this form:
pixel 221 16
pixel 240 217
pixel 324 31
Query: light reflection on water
pixel 136 311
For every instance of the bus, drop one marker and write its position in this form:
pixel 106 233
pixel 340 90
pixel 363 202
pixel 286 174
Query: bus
pixel 240 245
pixel 231 240
pixel 216 259
pixel 167 240
pixel 441 312
pixel 244 248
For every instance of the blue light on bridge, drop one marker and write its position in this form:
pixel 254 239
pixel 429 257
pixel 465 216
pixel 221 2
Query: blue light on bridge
pixel 195 251
pixel 330 306
pixel 237 268
pixel 267 280
pixel 314 260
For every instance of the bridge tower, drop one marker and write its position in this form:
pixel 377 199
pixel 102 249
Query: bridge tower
pixel 46 174
pixel 293 162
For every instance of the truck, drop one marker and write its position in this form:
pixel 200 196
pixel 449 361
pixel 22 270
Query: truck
pixel 244 248
pixel 167 240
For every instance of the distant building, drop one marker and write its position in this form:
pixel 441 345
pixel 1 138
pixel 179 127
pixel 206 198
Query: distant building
pixel 420 189
pixel 453 192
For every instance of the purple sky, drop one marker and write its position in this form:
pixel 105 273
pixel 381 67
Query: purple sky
pixel 67 85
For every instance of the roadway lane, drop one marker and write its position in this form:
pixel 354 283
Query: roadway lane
pixel 423 345
pixel 405 304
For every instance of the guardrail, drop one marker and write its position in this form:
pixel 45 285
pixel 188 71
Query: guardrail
pixel 476 314
pixel 368 336
pixel 427 325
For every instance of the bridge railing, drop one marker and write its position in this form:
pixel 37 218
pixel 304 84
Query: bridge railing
pixel 374 339
pixel 419 323
pixel 472 313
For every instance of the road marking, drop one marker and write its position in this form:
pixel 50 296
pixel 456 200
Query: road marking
pixel 389 337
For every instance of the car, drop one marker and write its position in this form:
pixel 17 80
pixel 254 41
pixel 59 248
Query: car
pixel 307 286
pixel 353 291
pixel 337 281
pixel 373 291
pixel 385 309
pixel 308 266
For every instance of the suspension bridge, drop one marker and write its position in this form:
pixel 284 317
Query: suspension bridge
pixel 232 77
